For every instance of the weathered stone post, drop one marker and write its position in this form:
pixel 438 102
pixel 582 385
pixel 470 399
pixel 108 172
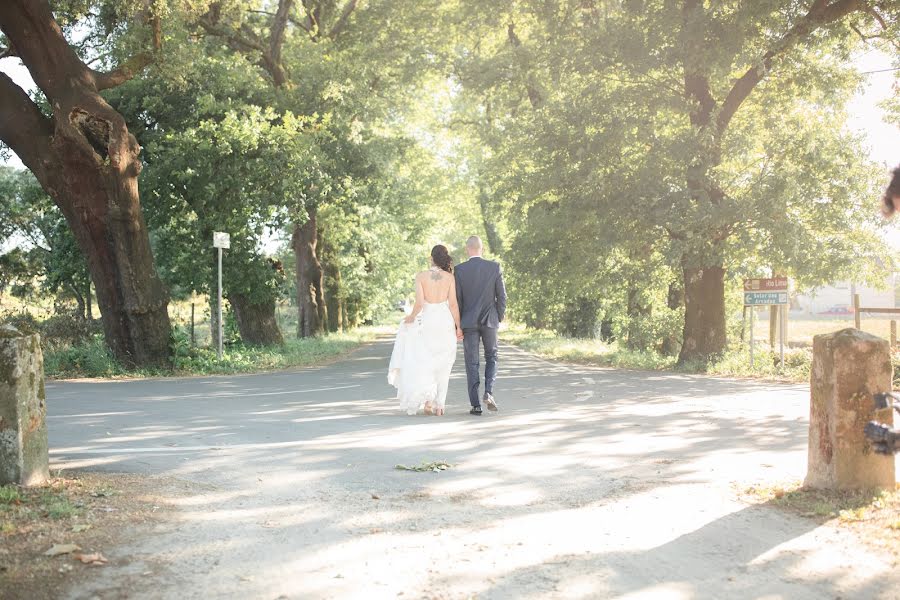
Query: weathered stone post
pixel 848 368
pixel 23 409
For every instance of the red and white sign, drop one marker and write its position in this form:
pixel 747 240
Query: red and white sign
pixel 772 284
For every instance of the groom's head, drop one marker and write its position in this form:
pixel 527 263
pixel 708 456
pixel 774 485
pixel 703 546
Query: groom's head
pixel 474 246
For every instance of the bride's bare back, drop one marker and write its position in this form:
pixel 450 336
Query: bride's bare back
pixel 437 285
pixel 433 287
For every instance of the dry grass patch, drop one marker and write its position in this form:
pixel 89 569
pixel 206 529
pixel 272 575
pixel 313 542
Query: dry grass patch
pixel 54 535
pixel 872 514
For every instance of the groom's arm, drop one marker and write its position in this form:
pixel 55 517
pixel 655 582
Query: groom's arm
pixel 500 296
pixel 459 297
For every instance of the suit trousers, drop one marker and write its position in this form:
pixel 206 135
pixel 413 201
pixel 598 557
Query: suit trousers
pixel 471 338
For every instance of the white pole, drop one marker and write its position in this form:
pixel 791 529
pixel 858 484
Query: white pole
pixel 783 312
pixel 221 328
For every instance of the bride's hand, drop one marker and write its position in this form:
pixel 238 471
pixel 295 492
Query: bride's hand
pixel 409 319
pixel 459 334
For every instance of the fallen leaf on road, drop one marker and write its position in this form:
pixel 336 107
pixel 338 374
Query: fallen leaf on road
pixel 435 466
pixel 80 527
pixel 270 524
pixel 376 497
pixel 247 578
pixel 94 558
pixel 58 549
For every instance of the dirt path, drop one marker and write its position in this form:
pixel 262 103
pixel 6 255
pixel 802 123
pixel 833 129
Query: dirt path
pixel 590 483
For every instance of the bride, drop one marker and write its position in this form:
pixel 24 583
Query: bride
pixel 425 348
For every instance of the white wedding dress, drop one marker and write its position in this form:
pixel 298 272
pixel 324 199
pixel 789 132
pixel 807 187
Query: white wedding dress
pixel 424 353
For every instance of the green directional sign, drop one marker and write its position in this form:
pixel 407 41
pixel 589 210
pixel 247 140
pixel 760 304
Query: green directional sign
pixel 765 298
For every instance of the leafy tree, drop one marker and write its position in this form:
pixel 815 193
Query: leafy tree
pixel 82 153
pixel 42 246
pixel 661 138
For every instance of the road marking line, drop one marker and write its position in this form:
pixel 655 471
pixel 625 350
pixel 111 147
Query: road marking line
pixel 176 449
pixel 215 396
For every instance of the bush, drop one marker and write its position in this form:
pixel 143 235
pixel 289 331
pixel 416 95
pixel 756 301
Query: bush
pixel 89 359
pixel 67 327
pixel 660 332
pixel 23 321
pixel 767 363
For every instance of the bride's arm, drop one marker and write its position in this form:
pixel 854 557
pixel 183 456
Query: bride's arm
pixel 420 299
pixel 454 307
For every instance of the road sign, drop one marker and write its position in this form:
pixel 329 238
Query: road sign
pixel 765 298
pixel 771 284
pixel 221 240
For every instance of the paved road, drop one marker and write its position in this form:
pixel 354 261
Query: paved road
pixel 589 483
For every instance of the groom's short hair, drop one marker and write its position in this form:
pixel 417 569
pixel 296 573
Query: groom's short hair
pixel 474 243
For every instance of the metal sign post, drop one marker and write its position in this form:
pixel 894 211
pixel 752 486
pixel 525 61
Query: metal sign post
pixel 766 292
pixel 752 313
pixel 220 241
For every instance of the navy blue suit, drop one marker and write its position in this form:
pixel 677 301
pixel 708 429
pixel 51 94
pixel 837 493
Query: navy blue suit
pixel 481 296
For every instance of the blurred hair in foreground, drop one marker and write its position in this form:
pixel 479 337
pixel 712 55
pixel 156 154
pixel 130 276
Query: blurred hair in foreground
pixel 891 195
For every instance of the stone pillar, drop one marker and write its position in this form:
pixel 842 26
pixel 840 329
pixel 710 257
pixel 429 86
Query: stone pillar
pixel 23 409
pixel 848 368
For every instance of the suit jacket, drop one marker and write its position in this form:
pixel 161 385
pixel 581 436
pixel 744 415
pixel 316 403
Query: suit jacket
pixel 480 293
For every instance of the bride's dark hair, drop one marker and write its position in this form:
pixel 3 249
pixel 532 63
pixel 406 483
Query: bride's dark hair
pixel 441 258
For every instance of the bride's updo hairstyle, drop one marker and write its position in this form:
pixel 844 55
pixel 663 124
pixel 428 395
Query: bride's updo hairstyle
pixel 441 258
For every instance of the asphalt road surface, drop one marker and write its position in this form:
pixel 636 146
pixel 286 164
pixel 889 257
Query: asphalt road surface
pixel 589 483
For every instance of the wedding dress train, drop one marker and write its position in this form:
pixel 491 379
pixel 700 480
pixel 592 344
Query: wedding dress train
pixel 423 356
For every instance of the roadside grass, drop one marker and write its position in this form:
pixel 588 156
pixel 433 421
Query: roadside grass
pixel 873 514
pixel 587 352
pixel 75 513
pixel 22 507
pixel 735 362
pixel 93 359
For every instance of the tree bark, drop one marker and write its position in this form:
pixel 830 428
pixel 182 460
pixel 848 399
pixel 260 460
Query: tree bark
pixel 638 311
pixel 90 302
pixel 87 161
pixel 495 244
pixel 256 322
pixel 310 284
pixel 704 314
pixel 334 294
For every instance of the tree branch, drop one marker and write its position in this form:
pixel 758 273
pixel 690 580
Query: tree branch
pixel 137 63
pixel 124 72
pixel 535 96
pixel 696 83
pixel 22 125
pixel 276 42
pixel 820 14
pixel 343 19
pixel 237 41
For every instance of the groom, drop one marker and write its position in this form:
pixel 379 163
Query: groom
pixel 481 296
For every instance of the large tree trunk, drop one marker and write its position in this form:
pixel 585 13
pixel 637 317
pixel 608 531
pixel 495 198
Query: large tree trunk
pixel 310 284
pixel 87 161
pixel 89 301
pixel 638 311
pixel 256 321
pixel 495 243
pixel 704 314
pixel 334 295
pixel 79 300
